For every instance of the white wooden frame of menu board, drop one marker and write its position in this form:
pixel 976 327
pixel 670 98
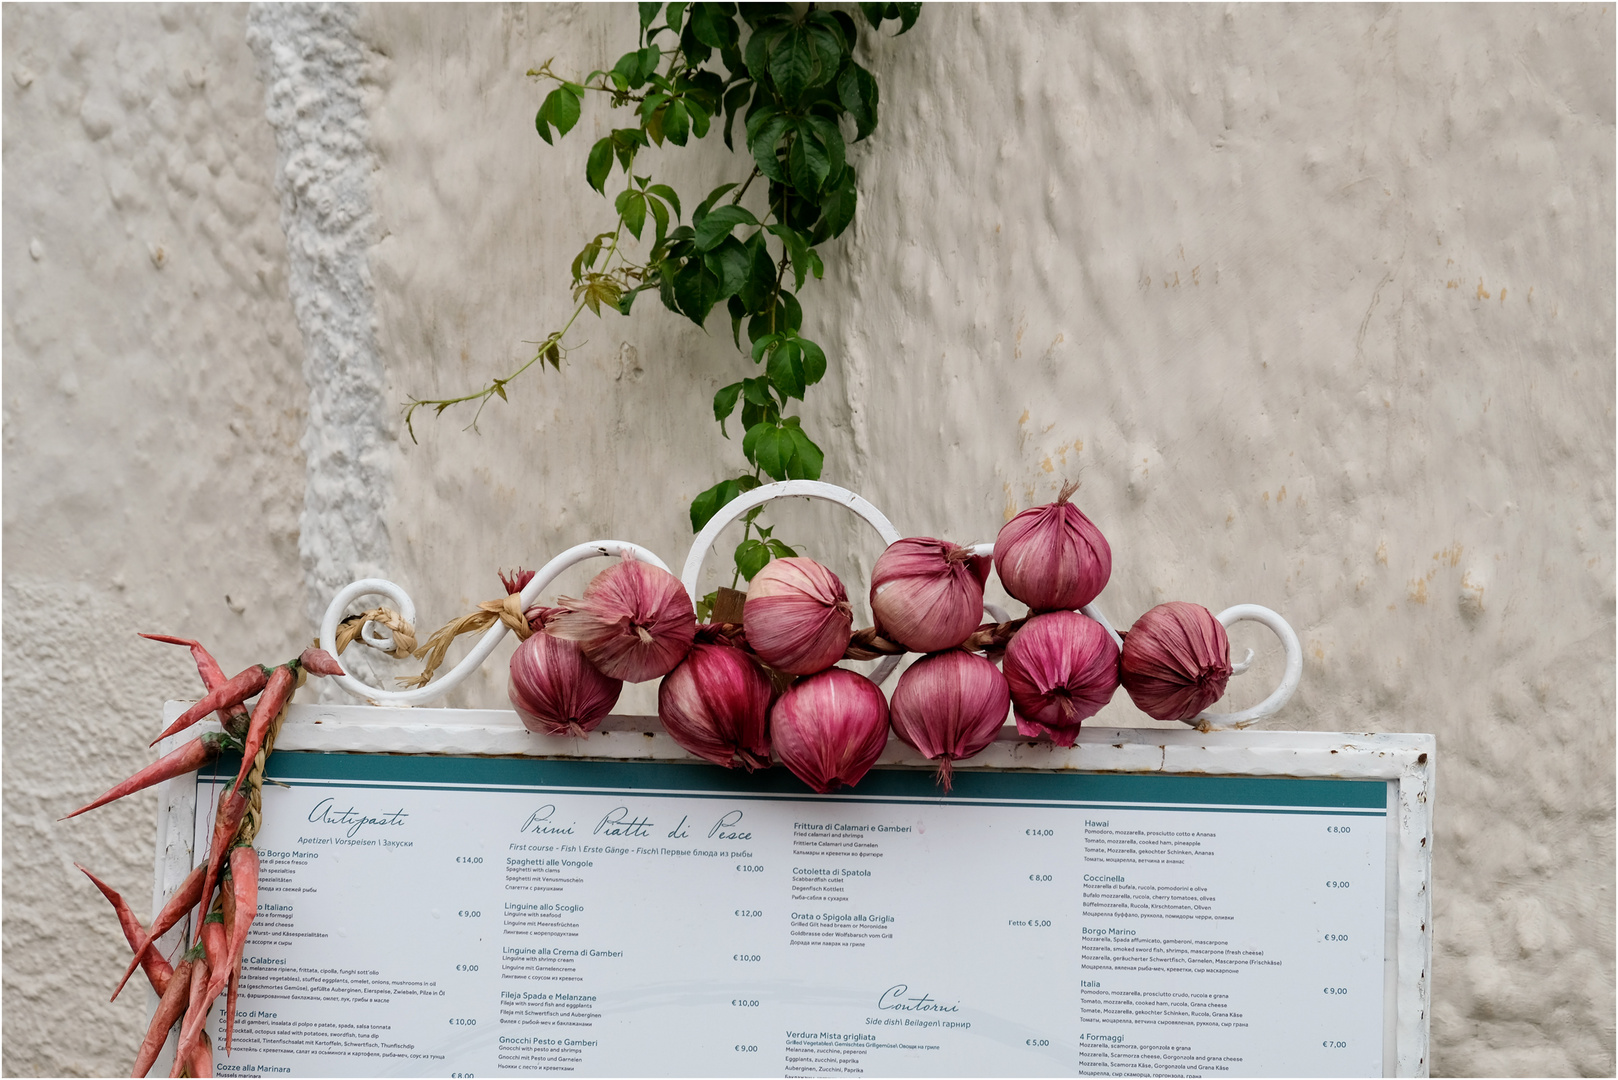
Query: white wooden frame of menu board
pixel 1406 761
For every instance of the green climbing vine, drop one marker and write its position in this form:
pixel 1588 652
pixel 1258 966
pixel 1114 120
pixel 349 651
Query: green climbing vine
pixel 790 78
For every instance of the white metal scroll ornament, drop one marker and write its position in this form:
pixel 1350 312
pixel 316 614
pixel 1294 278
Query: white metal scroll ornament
pixel 377 636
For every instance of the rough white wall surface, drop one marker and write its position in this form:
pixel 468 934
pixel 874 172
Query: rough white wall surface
pixel 312 68
pixel 152 414
pixel 1317 302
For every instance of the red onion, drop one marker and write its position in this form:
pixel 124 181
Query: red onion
pixel 950 706
pixel 1053 558
pixel 1062 667
pixel 1176 661
pixel 797 618
pixel 927 594
pixel 716 704
pixel 554 688
pixel 635 621
pixel 830 728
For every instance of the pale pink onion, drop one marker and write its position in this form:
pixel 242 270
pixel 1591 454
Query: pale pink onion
pixel 927 594
pixel 635 621
pixel 1176 661
pixel 554 688
pixel 949 706
pixel 1053 558
pixel 1062 668
pixel 716 704
pixel 797 617
pixel 830 728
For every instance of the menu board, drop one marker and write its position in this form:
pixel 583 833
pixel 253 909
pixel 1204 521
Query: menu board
pixel 466 916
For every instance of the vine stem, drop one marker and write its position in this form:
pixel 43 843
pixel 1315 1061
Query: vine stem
pixel 553 341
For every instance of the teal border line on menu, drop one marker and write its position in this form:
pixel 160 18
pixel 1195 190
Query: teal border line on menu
pixel 1120 791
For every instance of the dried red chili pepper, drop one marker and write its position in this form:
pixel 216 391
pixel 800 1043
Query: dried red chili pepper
pixel 158 970
pixel 236 690
pixel 183 900
pixel 196 1011
pixel 281 684
pixel 234 718
pixel 226 824
pixel 188 758
pixel 244 886
pixel 169 1009
pixel 320 662
pixel 201 1061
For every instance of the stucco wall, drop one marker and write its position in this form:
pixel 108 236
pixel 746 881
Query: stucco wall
pixel 1317 302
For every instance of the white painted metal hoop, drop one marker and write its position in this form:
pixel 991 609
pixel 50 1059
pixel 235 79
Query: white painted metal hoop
pixel 446 682
pixel 1290 676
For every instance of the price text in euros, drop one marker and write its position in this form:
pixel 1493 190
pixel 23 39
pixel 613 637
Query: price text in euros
pixel 1336 884
pixel 1039 877
pixel 749 913
pixel 1339 828
pixel 1036 1042
pixel 466 967
pixel 749 868
pixel 463 1021
pixel 1334 1044
pixel 1334 990
pixel 464 914
pixel 746 958
pixel 743 1048
pixel 1039 832
pixel 471 860
pixel 745 1003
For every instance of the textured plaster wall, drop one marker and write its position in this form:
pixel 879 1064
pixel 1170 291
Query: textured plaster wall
pixel 153 409
pixel 1317 302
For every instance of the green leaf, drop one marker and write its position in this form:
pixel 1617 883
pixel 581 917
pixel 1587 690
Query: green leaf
pixel 792 64
pixel 750 441
pixel 760 277
pixel 716 225
pixel 786 370
pixel 762 140
pixel 797 251
pixel 907 15
pixel 806 460
pixel 764 344
pixel 599 167
pixel 751 557
pixel 699 118
pixel 807 163
pixel 707 504
pixel 560 110
pixel 828 53
pixel 707 204
pixel 675 13
pixel 838 208
pixel 831 137
pixel 724 403
pixel 648 12
pixel 735 98
pixel 634 212
pixel 696 290
pixel 713 26
pixel 666 193
pixel 773 451
pixel 660 213
pixel 780 550
pixel 676 123
pixel 728 262
pixel 814 362
pixel 757 392
pixel 857 91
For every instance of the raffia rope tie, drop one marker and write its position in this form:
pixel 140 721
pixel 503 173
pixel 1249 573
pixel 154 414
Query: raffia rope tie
pixel 404 635
pixel 989 638
pixel 508 610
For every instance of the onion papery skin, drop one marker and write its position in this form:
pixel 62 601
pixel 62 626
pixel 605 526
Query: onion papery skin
pixel 1053 558
pixel 830 728
pixel 797 617
pixel 1176 661
pixel 634 622
pixel 1062 667
pixel 716 704
pixel 927 594
pixel 949 706
pixel 556 690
